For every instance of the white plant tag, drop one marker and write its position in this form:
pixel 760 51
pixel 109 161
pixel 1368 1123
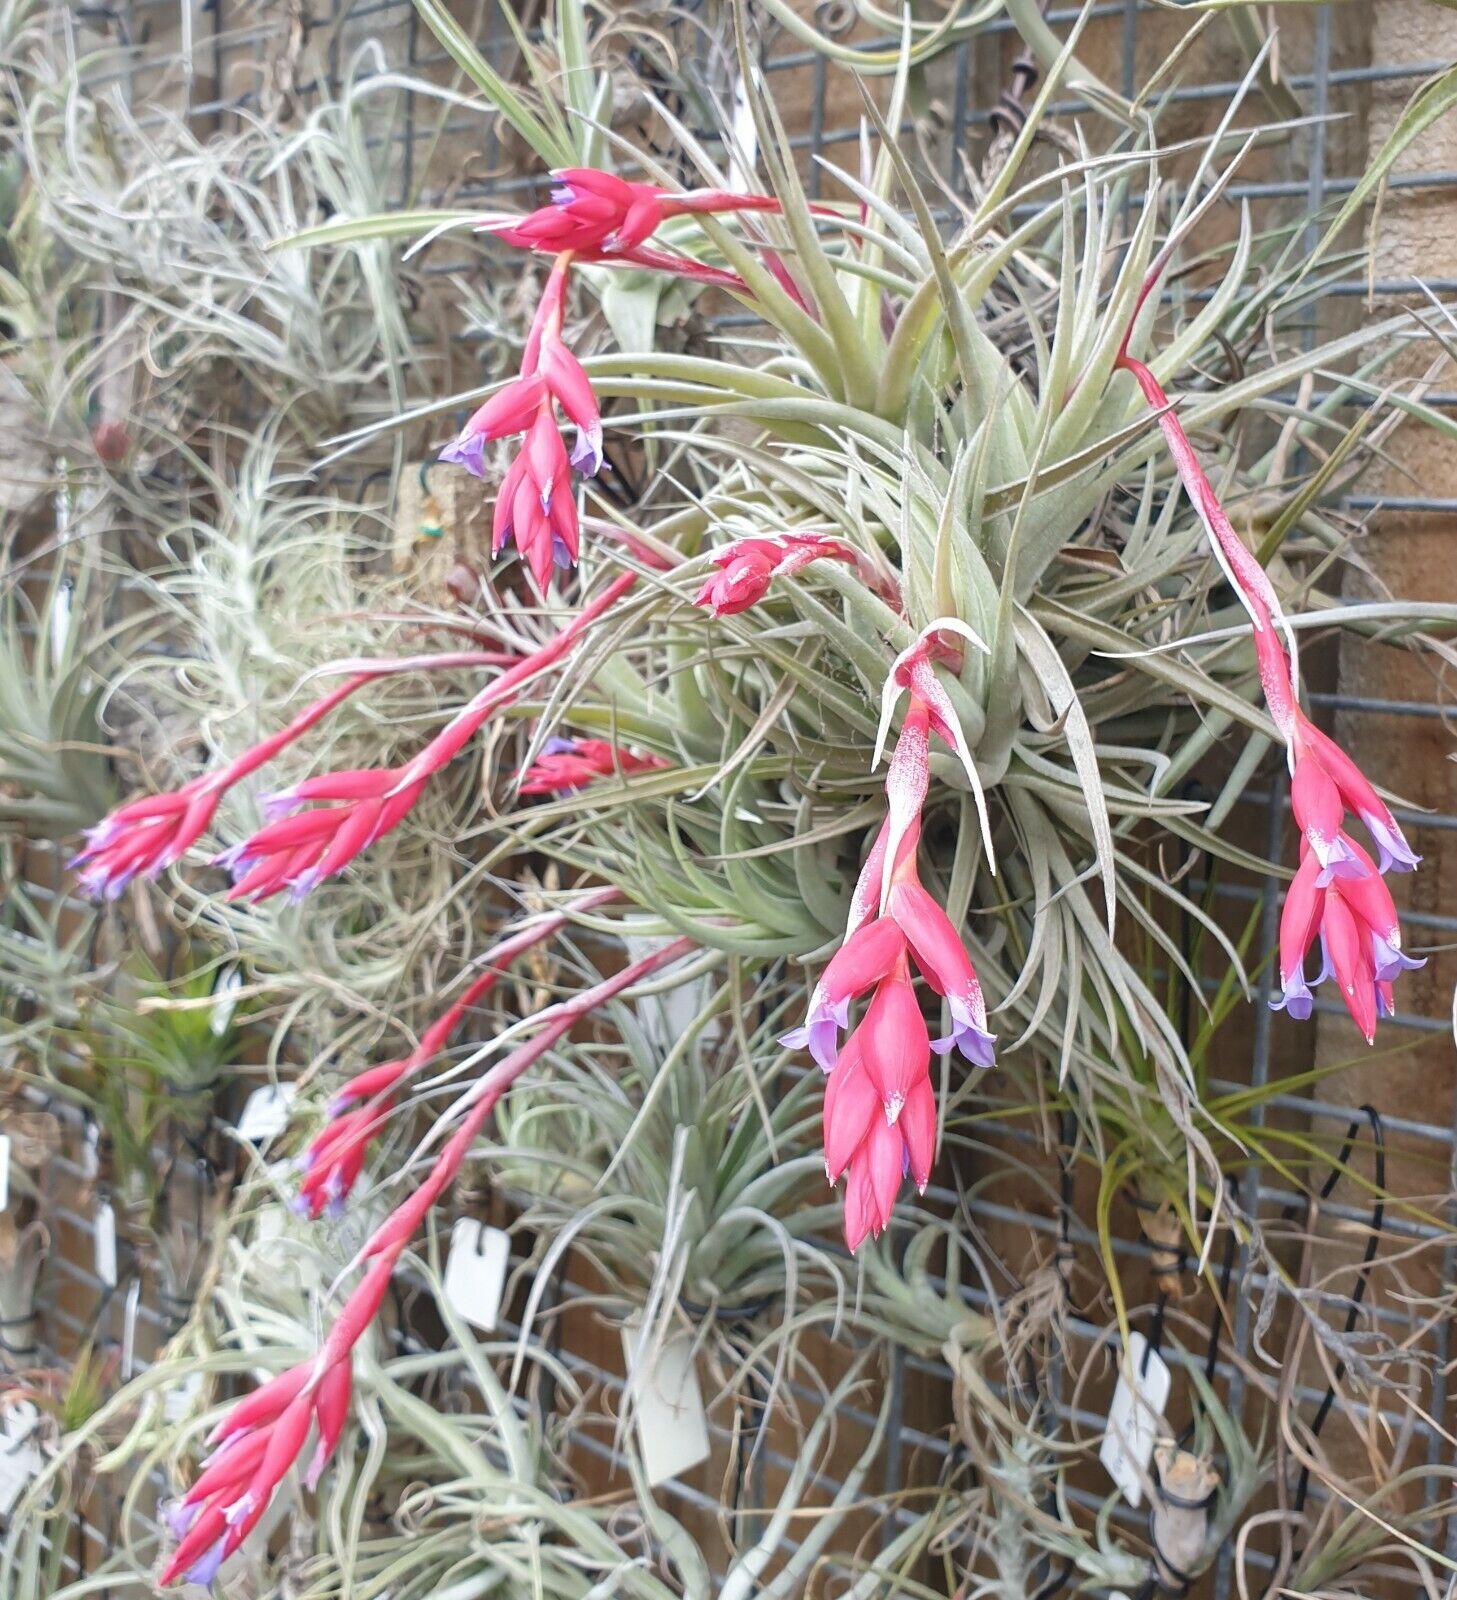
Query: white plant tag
pixel 225 1000
pixel 20 1457
pixel 4 1170
pixel 1134 1418
pixel 177 1400
pixel 129 1330
pixel 265 1115
pixel 475 1271
pixel 672 1426
pixel 91 1150
pixel 106 1244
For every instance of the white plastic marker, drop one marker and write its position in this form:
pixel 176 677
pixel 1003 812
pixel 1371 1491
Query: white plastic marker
pixel 20 1457
pixel 129 1329
pixel 672 1426
pixel 106 1243
pixel 225 999
pixel 265 1115
pixel 1134 1418
pixel 475 1271
pixel 4 1170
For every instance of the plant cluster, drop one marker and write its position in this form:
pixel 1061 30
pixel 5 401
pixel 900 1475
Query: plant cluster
pixel 951 510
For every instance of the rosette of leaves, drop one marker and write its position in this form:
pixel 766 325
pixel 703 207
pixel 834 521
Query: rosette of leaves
pixel 952 414
pixel 55 776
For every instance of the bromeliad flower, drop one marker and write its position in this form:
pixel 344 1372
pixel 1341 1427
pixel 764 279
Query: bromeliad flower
pixel 880 1108
pixel 568 764
pixel 599 215
pixel 297 851
pixel 747 567
pixel 536 504
pixel 265 1433
pixel 335 1157
pixel 1337 890
pixel 145 836
pixel 1360 938
pixel 256 1445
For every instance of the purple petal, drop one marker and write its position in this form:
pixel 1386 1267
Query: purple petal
pixel 205 1568
pixel 820 1034
pixel 1295 998
pixel 280 804
pixel 468 451
pixel 1396 854
pixel 1390 960
pixel 560 555
pixel 586 454
pixel 1341 861
pixel 563 194
pixel 967 1036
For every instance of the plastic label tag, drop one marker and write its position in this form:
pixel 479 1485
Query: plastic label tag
pixel 1134 1418
pixel 4 1170
pixel 91 1150
pixel 20 1457
pixel 672 1426
pixel 178 1399
pixel 475 1271
pixel 129 1330
pixel 265 1115
pixel 106 1244
pixel 225 1001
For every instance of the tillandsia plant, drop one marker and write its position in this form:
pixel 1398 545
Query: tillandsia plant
pixel 954 510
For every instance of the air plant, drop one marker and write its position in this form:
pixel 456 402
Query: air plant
pixel 947 485
pixel 958 504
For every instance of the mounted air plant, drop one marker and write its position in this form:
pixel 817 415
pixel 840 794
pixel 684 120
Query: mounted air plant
pixel 955 509
pixel 55 778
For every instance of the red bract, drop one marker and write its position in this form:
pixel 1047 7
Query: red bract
pixel 536 504
pixel 265 1433
pixel 567 764
pixel 335 1157
pixel 298 852
pixel 880 1108
pixel 144 836
pixel 599 215
pixel 748 566
pixel 1337 890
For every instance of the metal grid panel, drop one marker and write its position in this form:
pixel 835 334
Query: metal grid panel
pixel 229 38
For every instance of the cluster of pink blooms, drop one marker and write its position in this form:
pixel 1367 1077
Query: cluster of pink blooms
pixel 1338 894
pixel 880 1113
pixel 266 1432
pixel 594 216
pixel 880 1107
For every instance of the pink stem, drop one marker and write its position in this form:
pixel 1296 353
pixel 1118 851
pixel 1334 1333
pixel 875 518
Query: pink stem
pixel 388 1242
pixel 460 729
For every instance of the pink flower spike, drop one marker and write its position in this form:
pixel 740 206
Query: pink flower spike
pixel 568 764
pixel 143 838
pixel 602 216
pixel 747 567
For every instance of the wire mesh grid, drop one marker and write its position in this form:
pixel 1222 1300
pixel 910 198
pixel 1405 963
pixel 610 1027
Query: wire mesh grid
pixel 228 44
